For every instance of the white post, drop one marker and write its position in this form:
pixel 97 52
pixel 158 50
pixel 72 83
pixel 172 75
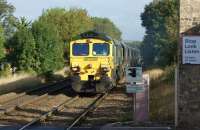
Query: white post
pixel 176 97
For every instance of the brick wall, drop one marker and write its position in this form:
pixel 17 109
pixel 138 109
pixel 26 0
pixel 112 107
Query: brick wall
pixel 189 75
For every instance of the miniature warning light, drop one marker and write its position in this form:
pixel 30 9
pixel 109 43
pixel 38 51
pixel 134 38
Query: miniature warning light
pixel 88 41
pixel 132 72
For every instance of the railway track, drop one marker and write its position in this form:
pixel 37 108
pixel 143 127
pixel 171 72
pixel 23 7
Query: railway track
pixel 8 97
pixel 66 104
pixel 90 108
pixel 30 96
pixel 49 113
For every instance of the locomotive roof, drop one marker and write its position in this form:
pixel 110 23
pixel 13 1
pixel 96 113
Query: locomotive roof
pixel 93 34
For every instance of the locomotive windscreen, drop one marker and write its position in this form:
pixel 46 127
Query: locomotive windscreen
pixel 80 49
pixel 100 49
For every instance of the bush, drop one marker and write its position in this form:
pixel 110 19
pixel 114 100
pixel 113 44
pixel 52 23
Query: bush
pixel 162 76
pixel 23 44
pixel 2 41
pixel 49 47
pixel 162 94
pixel 169 75
pixel 6 70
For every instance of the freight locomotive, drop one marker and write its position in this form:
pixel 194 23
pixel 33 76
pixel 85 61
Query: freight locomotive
pixel 97 62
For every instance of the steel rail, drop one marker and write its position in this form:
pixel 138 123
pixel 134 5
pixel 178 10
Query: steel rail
pixel 90 108
pixel 32 90
pixel 41 97
pixel 67 102
pixel 13 104
pixel 49 113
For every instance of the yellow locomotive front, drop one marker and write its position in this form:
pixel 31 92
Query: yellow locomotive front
pixel 91 63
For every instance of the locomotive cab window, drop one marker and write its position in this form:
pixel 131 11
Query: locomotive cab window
pixel 100 49
pixel 80 49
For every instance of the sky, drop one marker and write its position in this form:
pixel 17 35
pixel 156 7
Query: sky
pixel 124 13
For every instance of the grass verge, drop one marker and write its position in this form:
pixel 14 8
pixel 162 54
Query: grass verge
pixel 162 94
pixel 23 81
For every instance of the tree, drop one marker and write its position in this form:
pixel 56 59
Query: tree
pixel 136 45
pixel 104 25
pixel 6 17
pixel 2 41
pixel 5 9
pixel 49 47
pixel 160 19
pixel 23 44
pixel 68 22
pixel 148 51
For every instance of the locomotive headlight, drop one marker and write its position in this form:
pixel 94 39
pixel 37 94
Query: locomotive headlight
pixel 75 68
pixel 105 68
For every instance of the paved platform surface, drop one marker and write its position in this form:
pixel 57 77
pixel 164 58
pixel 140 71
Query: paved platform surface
pixel 86 128
pixel 142 112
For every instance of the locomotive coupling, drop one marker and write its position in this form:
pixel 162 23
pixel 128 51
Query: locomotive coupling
pixel 89 66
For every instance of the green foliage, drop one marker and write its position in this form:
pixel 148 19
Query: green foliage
pixel 6 17
pixel 169 75
pixel 148 51
pixel 72 22
pixel 2 41
pixel 137 54
pixel 5 70
pixel 23 44
pixel 162 94
pixel 160 19
pixel 39 46
pixel 49 47
pixel 134 44
pixel 104 25
pixel 5 9
pixel 68 22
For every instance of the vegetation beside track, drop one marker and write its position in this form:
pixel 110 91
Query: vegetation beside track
pixel 35 46
pixel 159 50
pixel 162 91
pixel 23 81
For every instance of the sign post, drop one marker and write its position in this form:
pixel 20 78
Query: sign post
pixel 191 50
pixel 134 85
pixel 134 106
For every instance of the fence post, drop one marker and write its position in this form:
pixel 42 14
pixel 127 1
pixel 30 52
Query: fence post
pixel 176 97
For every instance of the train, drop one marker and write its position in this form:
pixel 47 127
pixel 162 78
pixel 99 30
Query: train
pixel 98 62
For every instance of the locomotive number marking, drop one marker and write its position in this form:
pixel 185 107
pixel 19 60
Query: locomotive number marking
pixel 90 59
